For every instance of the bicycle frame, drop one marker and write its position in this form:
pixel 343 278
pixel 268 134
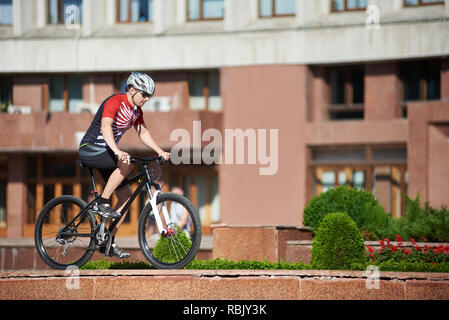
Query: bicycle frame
pixel 144 179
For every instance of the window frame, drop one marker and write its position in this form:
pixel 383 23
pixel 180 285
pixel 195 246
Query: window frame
pixel 117 14
pixel 345 9
pixel 201 13
pixel 12 19
pixel 206 87
pixel 65 93
pixel 422 79
pixel 421 3
pixel 60 13
pixel 273 13
pixel 348 105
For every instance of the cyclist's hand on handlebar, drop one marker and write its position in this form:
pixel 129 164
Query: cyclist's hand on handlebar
pixel 165 155
pixel 123 156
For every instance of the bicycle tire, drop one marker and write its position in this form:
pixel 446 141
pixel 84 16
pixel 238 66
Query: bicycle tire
pixel 42 222
pixel 195 237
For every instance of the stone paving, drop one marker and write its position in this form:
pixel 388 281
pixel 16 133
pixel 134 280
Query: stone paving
pixel 221 285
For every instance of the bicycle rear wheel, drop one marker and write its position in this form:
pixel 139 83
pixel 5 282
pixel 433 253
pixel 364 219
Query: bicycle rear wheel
pixel 59 244
pixel 179 246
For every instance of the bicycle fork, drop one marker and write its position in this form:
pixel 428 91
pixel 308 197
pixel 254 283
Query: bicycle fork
pixel 153 202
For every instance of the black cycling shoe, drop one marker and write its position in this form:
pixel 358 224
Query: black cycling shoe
pixel 104 210
pixel 115 251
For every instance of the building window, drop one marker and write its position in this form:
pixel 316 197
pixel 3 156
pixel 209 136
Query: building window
pixel 204 91
pixel 5 92
pixel 381 170
pixel 135 10
pixel 413 3
pixel 349 5
pixel 421 80
pixel 205 9
pixel 346 85
pixel 6 12
pixel 65 93
pixel 272 8
pixel 59 11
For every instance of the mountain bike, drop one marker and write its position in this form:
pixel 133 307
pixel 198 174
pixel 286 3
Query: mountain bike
pixel 67 232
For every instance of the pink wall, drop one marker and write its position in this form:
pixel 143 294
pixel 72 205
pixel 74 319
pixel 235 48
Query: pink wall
pixel 428 151
pixel 382 91
pixel 265 97
pixel 438 167
pixel 30 91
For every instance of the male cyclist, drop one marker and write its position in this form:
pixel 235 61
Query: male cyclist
pixel 99 146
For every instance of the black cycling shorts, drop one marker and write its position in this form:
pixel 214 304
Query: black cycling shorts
pixel 101 158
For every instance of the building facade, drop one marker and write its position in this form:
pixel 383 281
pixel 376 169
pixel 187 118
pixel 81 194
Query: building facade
pixel 304 95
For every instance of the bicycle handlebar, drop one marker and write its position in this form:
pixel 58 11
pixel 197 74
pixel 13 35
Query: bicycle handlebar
pixel 146 160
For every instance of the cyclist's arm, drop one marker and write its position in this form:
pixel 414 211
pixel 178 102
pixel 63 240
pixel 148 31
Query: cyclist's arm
pixel 147 139
pixel 108 136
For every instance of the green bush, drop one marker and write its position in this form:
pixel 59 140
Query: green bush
pixel 163 250
pixel 108 264
pixel 215 264
pixel 337 244
pixel 424 223
pixel 378 224
pixel 222 264
pixel 360 205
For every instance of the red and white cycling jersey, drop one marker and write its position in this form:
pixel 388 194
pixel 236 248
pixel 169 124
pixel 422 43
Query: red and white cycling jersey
pixel 124 117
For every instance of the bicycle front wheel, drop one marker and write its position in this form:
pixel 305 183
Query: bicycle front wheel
pixel 179 246
pixel 60 243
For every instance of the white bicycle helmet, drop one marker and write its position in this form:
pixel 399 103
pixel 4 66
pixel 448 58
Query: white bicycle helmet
pixel 141 81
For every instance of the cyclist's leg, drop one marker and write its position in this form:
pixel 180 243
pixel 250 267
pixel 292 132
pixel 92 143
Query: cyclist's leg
pixel 123 195
pixel 103 159
pixel 116 178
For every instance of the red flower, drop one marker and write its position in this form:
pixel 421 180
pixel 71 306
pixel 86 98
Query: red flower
pixel 371 255
pixel 413 241
pixel 394 248
pixel 370 250
pixel 398 238
pixel 418 247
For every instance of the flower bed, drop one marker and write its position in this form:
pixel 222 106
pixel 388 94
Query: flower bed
pixel 416 253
